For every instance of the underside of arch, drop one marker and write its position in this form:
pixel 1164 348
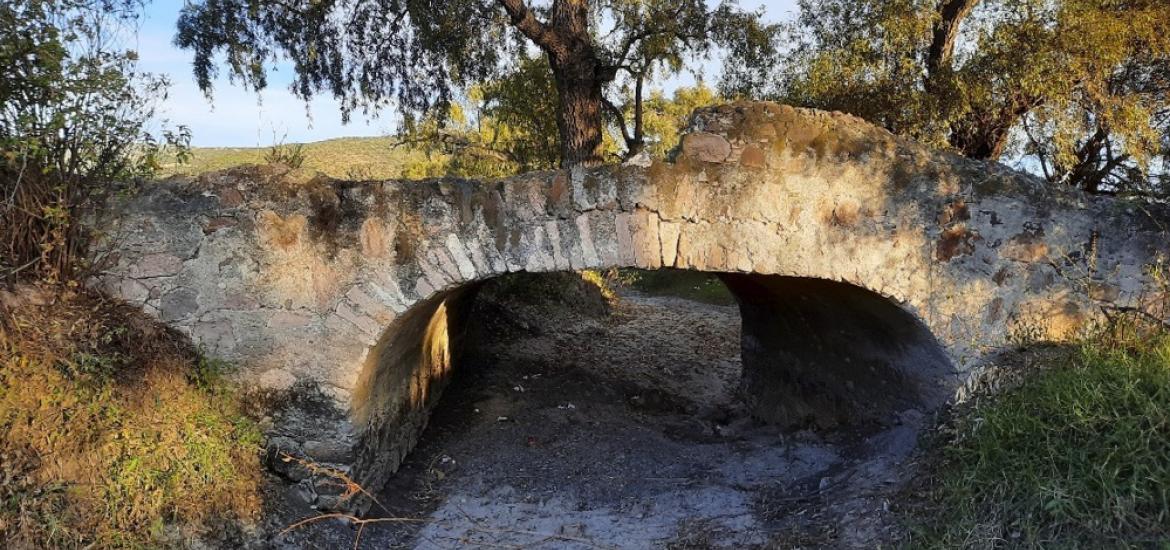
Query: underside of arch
pixel 816 354
pixel 819 353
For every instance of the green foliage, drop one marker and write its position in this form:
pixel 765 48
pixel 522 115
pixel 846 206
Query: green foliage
pixel 679 31
pixel 504 126
pixel 863 56
pixel 692 285
pixel 1077 455
pixel 288 154
pixel 420 56
pixel 666 118
pixel 1078 90
pixel 508 126
pixel 73 112
pixel 519 114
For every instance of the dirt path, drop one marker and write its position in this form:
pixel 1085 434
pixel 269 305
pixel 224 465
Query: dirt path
pixel 623 431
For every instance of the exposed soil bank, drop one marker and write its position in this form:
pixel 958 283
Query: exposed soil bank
pixel 566 428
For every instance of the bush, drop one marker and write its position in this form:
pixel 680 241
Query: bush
pixel 1076 455
pixel 75 109
pixel 291 155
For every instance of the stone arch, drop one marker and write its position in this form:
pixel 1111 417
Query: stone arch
pixel 296 278
pixel 816 353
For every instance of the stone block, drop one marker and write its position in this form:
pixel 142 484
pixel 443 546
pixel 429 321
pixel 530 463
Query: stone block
pixel 706 147
pixel 156 265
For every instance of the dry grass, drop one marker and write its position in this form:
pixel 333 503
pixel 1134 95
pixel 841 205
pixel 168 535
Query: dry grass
pixel 38 221
pixel 343 158
pixel 114 432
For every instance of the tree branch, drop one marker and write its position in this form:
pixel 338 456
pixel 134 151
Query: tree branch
pixel 619 117
pixel 526 22
pixel 645 32
pixel 639 142
pixel 942 43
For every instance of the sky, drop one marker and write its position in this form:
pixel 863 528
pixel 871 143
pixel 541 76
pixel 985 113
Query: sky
pixel 235 117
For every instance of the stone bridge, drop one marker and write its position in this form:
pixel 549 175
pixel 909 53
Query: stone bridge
pixel 873 275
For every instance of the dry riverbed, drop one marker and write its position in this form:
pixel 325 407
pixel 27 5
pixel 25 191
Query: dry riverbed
pixel 567 428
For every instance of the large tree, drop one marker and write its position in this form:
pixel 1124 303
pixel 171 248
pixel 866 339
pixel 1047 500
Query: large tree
pixel 1075 89
pixel 508 125
pixel 418 54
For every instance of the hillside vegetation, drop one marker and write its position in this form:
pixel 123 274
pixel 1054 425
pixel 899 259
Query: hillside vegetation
pixel 354 158
pixel 114 431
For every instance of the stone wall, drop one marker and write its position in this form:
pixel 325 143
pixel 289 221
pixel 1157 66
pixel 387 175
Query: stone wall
pixel 348 288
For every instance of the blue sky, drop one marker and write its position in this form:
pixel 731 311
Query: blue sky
pixel 239 118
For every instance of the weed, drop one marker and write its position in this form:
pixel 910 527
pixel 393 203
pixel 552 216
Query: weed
pixel 603 281
pixel 291 155
pixel 209 373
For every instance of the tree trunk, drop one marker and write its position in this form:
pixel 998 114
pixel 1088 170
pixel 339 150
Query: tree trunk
pixel 579 105
pixel 578 73
pixel 980 141
pixel 983 133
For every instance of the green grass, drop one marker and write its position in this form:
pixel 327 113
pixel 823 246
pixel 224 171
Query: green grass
pixel 1076 456
pixel 692 285
pixel 354 158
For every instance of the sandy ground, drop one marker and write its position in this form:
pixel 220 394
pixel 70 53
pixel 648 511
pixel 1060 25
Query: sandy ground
pixel 569 430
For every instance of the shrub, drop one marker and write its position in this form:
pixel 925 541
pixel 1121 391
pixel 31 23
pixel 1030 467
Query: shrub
pixel 291 155
pixel 75 109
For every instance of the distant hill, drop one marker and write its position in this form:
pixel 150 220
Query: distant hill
pixel 347 158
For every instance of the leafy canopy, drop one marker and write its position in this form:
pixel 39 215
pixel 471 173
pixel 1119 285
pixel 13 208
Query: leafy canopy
pixel 507 126
pixel 1077 89
pixel 418 56
pixel 71 101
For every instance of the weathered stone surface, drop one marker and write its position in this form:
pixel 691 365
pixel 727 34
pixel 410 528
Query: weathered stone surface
pixel 706 147
pixel 350 288
pixel 336 452
pixel 222 222
pixel 752 157
pixel 231 198
pixel 287 320
pixel 276 379
pixel 156 265
pixel 179 304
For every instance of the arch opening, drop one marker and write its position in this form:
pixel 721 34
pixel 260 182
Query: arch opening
pixel 832 362
pixel 827 354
